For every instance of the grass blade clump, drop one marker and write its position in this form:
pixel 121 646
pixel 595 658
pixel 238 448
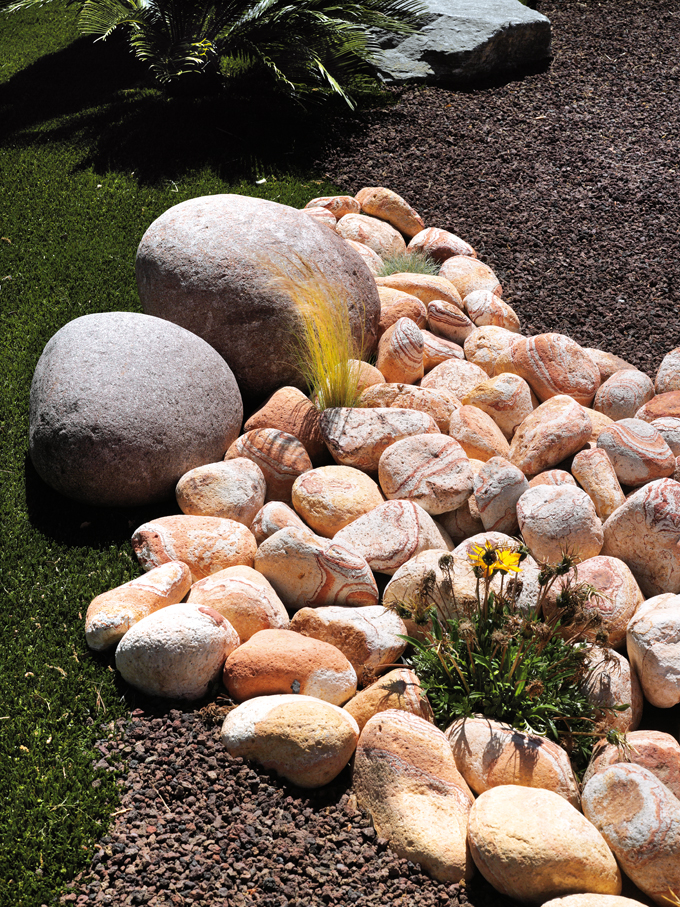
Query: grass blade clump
pixel 408 262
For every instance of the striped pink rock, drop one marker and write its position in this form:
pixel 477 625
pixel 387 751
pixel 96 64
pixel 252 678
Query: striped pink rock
pixel 274 516
pixel 437 403
pixel 553 364
pixel 456 376
pixel 468 274
pixel 426 287
pixel 640 820
pixel 111 614
pixel 367 637
pixel 233 489
pixel 374 233
pixel 485 345
pixel 637 451
pixel 486 308
pixel 669 429
pixel 607 363
pixel 596 475
pixel 330 497
pixel 644 533
pixel 338 205
pixel 507 398
pixel 437 350
pixel 656 751
pixel 660 407
pixel 622 395
pixel 555 519
pixel 406 779
pixel 391 534
pixel 301 738
pixel 555 430
pixel 653 641
pixel 477 433
pixel 291 411
pixel 489 753
pixel 322 216
pixel 308 571
pixel 244 597
pixel 446 320
pixel 371 259
pixel 399 689
pixel 668 375
pixel 400 352
pixel 358 437
pixel 395 305
pixel 281 661
pixel 431 470
pixel 440 244
pixel 498 487
pixel 205 544
pixel 553 477
pixel 280 456
pixel 388 206
pixel 610 684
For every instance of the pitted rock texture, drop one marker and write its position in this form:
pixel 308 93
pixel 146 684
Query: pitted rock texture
pixel 486 344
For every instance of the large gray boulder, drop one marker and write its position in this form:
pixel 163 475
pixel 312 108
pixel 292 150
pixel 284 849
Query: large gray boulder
pixel 467 40
pixel 124 404
pixel 221 267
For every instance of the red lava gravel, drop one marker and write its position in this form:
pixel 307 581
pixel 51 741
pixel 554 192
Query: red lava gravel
pixel 567 184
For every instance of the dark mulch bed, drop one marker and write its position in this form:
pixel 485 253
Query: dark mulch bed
pixel 567 184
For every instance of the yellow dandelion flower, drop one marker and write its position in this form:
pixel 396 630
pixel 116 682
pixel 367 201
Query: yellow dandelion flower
pixel 507 561
pixel 490 559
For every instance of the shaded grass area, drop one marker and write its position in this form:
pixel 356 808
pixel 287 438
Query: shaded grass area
pixel 89 157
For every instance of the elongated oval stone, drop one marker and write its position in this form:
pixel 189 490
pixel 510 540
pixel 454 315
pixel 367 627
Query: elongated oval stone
pixel 549 434
pixel 440 244
pixel 637 451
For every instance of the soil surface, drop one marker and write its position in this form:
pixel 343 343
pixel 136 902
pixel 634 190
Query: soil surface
pixel 567 183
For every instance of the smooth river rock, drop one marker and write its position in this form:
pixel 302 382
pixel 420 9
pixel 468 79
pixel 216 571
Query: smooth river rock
pixel 549 434
pixel 556 519
pixel 330 497
pixel 653 640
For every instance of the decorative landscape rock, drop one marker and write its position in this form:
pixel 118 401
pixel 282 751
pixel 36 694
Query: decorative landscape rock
pixel 425 287
pixel 330 497
pixel 367 375
pixel 395 305
pixel 292 412
pixel 281 661
pixel 607 363
pixel 438 404
pixel 371 259
pixel 376 234
pixel 554 431
pixel 668 375
pixel 406 779
pixel 599 422
pixel 280 456
pixel 437 350
pixel 456 376
pixel 498 486
pixel 205 544
pixel 309 571
pixel 512 828
pixel 338 205
pixel 400 352
pixel 399 689
pixel 507 398
pixel 387 205
pixel 322 216
pixel 111 614
pixel 234 489
pixel 477 433
pixel 653 640
pixel 446 320
pixel 301 738
pixel 440 244
pixel 554 519
pixel 596 476
pixel 485 345
pixel 223 260
pixel 610 684
pixel 553 477
pixel 593 900
pixel 468 274
pixel 486 308
pixel 465 580
pixel 176 652
pixel 244 597
pixel 669 429
pixel 654 750
pixel 637 451
pixel 123 404
pixel 274 516
pixel 640 820
pixel 622 395
pixel 660 407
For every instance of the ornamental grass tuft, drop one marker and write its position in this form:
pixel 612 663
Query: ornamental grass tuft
pixel 408 263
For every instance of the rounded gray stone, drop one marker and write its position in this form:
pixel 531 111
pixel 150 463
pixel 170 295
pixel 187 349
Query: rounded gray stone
pixel 123 404
pixel 215 265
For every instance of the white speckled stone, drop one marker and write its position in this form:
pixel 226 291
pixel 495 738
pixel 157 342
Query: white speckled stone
pixel 232 489
pixel 555 430
pixel 653 640
pixel 498 487
pixel 622 395
pixel 555 519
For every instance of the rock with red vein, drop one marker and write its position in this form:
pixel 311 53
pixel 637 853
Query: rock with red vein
pixel 507 398
pixel 291 411
pixel 281 661
pixel 205 544
pixel 395 305
pixel 400 352
pixel 111 614
pixel 376 234
pixel 653 642
pixel 498 486
pixel 640 820
pixel 233 489
pixel 301 738
pixel 610 684
pixel 553 477
pixel 406 779
pixel 485 345
pixel 486 308
pixel 555 519
pixel 637 452
pixel 322 216
pixel 399 689
pixel 607 363
pixel 371 258
pixel 656 751
pixel 597 477
pixel 330 497
pixel 425 286
pixel 446 320
pixel 477 433
pixel 388 206
pixel 622 395
pixel 554 431
pixel 455 375
pixel 440 244
pixel 437 403
pixel 489 753
pixel 468 274
pixel 437 350
pixel 244 597
pixel 669 429
pixel 660 407
pixel 274 516
pixel 280 456
pixel 338 205
pixel 308 571
pixel 668 375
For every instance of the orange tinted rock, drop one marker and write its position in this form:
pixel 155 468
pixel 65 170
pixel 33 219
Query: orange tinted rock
pixel 456 376
pixel 611 683
pixel 607 363
pixel 478 434
pixel 597 478
pixel 637 452
pixel 322 216
pixel 485 345
pixel 599 422
pixel 367 375
pixel 656 751
pixel 395 305
pixel 469 274
pixel 622 395
pixel 399 689
pixel 437 350
pixel 376 234
pixel 291 411
pixel 660 407
pixel 437 403
pixel 330 497
pixel 440 244
pixel 486 308
pixel 372 260
pixel 400 352
pixel 387 205
pixel 507 398
pixel 338 205
pixel 555 430
pixel 280 456
pixel 426 287
pixel 553 519
pixel 234 489
pixel 668 375
pixel 446 320
pixel 553 477
pixel 274 516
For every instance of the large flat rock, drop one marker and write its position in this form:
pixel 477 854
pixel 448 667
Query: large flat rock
pixel 467 40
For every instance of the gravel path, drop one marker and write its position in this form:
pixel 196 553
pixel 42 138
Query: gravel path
pixel 567 183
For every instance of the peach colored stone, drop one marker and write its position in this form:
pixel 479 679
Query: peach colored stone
pixel 372 260
pixel 338 205
pixel 512 828
pixel 425 286
pixel 507 398
pixel 596 475
pixel 437 403
pixel 368 637
pixel 431 470
pixel 309 571
pixel 553 477
pixel 274 516
pixel 368 375
pixel 280 456
pixel 381 395
pixel 640 820
pixel 610 684
pixel 374 233
pixel 653 641
pixel 303 739
pixel 290 411
pixel 111 614
pixel 400 352
pixel 489 754
pixel 485 345
pixel 395 305
pixel 446 320
pixel 406 779
pixel 669 429
pixel 330 497
pixel 607 363
pixel 205 544
pixel 555 430
pixel 668 375
pixel 637 452
pixel 498 486
pixel 477 433
pixel 437 350
pixel 556 519
pixel 399 689
pixel 622 395
pixel 468 274
pixel 233 489
pixel 322 216
pixel 464 522
pixel 358 437
pixel 660 407
pixel 656 751
pixel 440 244
pixel 282 661
pixel 176 652
pixel 486 308
pixel 387 205
pixel 456 376
pixel 645 532
pixel 599 422
pixel 244 597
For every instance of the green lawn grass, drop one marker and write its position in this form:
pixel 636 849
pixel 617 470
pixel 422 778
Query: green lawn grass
pixel 89 157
